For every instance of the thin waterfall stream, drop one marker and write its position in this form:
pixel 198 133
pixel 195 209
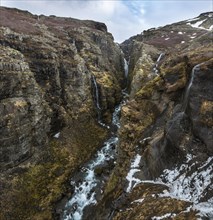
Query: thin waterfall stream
pixel 155 68
pixel 182 113
pixel 186 96
pixel 126 68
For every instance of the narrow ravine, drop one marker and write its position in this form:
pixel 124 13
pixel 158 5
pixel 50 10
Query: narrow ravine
pixel 189 181
pixel 89 182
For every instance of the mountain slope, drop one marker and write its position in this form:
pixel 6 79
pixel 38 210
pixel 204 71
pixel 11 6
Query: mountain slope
pixel 52 70
pixel 167 119
pixel 61 79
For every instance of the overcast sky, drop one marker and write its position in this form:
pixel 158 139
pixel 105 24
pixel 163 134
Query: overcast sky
pixel 124 18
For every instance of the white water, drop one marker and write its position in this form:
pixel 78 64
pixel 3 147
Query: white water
pixel 84 193
pixel 126 68
pixel 57 135
pixel 96 92
pixel 186 96
pixel 155 69
pixel 159 58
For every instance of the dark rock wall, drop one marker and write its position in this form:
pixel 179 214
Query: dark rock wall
pixel 25 115
pixel 157 122
pixel 46 70
pixel 61 55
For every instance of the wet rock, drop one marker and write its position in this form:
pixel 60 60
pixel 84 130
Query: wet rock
pixel 200 107
pixel 155 111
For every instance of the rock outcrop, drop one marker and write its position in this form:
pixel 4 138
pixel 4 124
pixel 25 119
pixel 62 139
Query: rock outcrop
pixel 48 104
pixel 166 119
pixel 25 116
pixel 60 79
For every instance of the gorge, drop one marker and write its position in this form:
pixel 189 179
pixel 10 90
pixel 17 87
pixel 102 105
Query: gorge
pixel 92 129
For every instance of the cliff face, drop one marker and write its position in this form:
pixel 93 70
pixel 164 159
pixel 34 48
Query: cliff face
pixel 165 121
pixel 51 70
pixel 24 113
pixel 60 79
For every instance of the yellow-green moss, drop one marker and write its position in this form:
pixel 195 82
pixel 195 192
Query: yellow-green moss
pixel 147 90
pixel 206 113
pixel 106 80
pixel 35 190
pixel 40 185
pixel 111 183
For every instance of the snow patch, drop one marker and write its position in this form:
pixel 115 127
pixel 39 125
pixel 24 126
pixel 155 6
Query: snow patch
pixel 137 201
pixel 130 176
pixel 57 135
pixel 164 216
pixel 180 32
pixel 197 25
pixel 210 28
pixel 136 162
pixel 182 42
pixel 194 19
pixel 190 186
pixel 167 38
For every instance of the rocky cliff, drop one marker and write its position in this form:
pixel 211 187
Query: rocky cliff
pixel 60 79
pixel 164 166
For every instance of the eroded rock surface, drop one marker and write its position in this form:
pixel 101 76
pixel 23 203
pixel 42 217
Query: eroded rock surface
pixel 48 104
pixel 166 119
pixel 60 81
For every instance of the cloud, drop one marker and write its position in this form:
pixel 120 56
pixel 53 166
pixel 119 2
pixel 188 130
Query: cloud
pixel 124 18
pixel 166 12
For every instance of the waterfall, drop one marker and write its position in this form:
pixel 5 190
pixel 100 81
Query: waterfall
pixel 159 58
pixel 180 115
pixel 126 68
pixel 96 93
pixel 186 96
pixel 90 184
pixel 155 69
pixel 97 100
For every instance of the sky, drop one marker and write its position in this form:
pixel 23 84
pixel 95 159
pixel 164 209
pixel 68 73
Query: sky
pixel 124 18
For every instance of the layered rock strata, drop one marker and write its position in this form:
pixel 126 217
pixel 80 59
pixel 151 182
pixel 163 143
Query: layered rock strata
pixel 48 104
pixel 163 123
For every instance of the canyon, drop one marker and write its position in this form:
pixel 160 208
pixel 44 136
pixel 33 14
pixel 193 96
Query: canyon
pixel 92 129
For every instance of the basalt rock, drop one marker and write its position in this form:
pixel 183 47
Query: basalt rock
pixel 48 104
pixel 25 116
pixel 166 118
pixel 60 81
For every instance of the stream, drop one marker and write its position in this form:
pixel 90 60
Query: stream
pixel 89 182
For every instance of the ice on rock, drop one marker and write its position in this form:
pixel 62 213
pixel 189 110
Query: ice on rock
pixel 190 186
